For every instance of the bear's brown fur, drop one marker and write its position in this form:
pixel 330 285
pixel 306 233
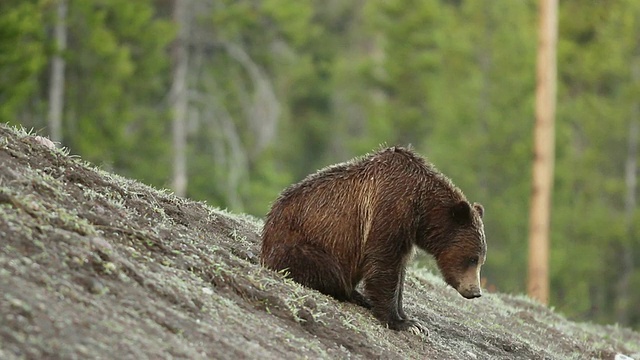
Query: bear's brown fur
pixel 358 222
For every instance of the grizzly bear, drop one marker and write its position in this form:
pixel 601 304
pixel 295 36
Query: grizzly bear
pixel 357 223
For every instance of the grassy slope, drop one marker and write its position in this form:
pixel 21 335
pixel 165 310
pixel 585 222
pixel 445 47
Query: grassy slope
pixel 95 265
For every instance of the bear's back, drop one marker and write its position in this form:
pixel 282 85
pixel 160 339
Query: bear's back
pixel 395 166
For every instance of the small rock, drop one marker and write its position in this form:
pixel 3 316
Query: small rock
pixel 44 141
pixel 96 287
pixel 207 291
pixel 100 244
pixel 622 357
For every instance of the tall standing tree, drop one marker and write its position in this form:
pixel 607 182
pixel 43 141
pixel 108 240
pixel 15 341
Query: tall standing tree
pixel 623 286
pixel 180 96
pixel 544 145
pixel 56 85
pixel 628 16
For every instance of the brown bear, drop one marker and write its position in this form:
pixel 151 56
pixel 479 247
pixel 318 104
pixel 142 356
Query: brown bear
pixel 357 222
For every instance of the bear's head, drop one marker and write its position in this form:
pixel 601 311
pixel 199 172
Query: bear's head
pixel 465 249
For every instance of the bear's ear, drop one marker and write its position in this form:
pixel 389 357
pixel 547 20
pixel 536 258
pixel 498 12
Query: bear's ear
pixel 479 208
pixel 461 213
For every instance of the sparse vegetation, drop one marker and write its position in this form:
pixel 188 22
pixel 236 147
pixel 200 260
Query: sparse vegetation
pixel 96 265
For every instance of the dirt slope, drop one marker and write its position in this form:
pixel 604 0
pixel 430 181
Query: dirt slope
pixel 93 265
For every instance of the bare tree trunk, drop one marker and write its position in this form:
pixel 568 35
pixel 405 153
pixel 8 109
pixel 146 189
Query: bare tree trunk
pixel 56 87
pixel 623 296
pixel 229 152
pixel 263 109
pixel 179 97
pixel 485 59
pixel 544 144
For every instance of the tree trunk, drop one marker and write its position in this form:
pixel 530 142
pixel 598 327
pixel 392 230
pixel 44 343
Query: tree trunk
pixel 56 86
pixel 544 144
pixel 623 298
pixel 262 108
pixel 179 97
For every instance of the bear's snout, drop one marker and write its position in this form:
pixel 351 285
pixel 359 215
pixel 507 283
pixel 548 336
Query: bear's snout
pixel 469 285
pixel 472 294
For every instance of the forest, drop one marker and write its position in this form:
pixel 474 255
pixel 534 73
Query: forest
pixel 230 101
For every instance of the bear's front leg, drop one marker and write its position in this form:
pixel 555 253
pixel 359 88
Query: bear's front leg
pixel 384 289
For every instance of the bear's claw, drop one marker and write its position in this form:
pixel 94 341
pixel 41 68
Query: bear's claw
pixel 410 325
pixel 418 329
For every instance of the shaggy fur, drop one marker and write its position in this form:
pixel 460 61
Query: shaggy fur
pixel 359 221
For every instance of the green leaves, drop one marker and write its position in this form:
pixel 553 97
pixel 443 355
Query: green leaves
pixel 22 54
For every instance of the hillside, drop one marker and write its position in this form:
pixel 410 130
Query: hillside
pixel 93 265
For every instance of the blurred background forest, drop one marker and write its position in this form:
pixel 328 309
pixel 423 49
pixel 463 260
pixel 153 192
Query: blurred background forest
pixel 230 101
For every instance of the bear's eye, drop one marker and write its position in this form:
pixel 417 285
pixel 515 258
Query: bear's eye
pixel 472 261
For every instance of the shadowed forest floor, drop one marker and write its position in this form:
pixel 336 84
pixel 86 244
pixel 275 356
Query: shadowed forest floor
pixel 93 265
